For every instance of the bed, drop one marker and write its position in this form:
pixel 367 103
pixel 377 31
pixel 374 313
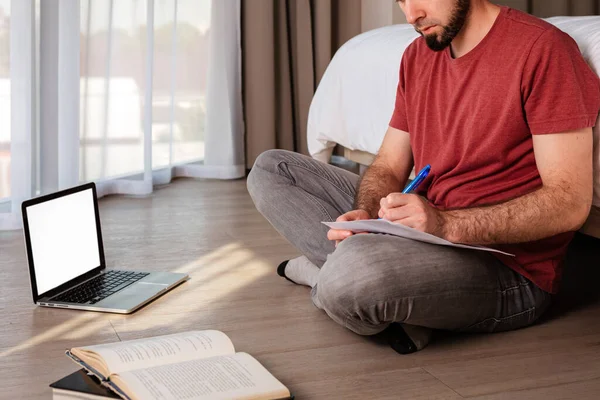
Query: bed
pixel 355 98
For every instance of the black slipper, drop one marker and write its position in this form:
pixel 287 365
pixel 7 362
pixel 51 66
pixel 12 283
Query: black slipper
pixel 281 271
pixel 399 340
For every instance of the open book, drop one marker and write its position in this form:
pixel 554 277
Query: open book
pixel 188 365
pixel 390 228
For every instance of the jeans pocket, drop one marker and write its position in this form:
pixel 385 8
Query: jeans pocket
pixel 511 322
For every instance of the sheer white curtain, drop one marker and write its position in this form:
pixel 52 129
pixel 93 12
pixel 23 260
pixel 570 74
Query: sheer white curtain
pixel 17 110
pixel 5 109
pixel 128 93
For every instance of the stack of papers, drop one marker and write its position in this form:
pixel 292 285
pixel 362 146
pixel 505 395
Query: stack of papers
pixel 390 228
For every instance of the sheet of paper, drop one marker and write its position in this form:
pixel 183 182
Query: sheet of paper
pixel 390 228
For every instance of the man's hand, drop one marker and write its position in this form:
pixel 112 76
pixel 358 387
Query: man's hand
pixel 413 211
pixel 339 234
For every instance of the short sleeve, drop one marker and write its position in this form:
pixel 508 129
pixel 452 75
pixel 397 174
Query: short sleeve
pixel 399 119
pixel 560 91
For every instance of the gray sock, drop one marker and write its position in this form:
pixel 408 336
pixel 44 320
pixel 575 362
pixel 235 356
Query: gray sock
pixel 300 270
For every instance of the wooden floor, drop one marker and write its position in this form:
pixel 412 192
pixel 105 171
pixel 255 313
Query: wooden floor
pixel 212 231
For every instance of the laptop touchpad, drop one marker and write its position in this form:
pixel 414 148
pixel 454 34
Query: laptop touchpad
pixel 131 296
pixel 161 278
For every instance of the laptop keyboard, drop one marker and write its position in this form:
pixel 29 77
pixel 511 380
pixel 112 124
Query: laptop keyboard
pixel 100 287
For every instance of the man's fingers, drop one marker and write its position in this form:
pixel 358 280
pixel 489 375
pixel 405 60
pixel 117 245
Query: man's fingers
pixel 349 216
pixel 398 213
pixel 351 233
pixel 338 234
pixel 382 204
pixel 396 200
pixel 342 218
pixel 353 216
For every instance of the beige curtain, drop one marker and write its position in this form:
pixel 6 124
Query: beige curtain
pixel 286 47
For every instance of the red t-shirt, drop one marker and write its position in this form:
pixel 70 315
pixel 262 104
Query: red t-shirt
pixel 472 119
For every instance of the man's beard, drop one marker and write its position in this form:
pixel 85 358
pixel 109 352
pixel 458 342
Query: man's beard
pixel 449 32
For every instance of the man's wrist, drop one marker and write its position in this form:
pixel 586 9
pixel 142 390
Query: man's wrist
pixel 447 222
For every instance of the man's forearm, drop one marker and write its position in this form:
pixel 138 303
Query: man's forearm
pixel 537 215
pixel 377 182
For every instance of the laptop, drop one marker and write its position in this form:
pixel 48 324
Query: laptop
pixel 66 257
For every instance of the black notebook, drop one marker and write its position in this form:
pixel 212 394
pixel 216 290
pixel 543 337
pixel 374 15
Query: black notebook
pixel 80 385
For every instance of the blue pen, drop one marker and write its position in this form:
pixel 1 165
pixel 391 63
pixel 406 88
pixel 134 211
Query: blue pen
pixel 417 181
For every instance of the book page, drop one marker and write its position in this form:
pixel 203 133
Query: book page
pixel 390 228
pixel 149 352
pixel 238 376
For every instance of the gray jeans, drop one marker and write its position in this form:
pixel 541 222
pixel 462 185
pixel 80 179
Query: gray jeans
pixel 372 280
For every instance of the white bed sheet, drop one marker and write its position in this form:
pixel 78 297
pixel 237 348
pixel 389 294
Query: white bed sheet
pixel 355 98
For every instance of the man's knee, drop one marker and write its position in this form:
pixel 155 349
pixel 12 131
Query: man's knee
pixel 268 160
pixel 257 182
pixel 347 285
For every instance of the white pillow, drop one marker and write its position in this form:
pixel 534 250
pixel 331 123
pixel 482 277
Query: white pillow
pixel 586 32
pixel 355 98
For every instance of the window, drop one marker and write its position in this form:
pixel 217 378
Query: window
pixel 113 84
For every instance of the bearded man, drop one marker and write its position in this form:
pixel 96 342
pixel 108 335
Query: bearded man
pixel 501 105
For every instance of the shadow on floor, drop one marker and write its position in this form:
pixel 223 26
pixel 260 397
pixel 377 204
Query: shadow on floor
pixel 581 278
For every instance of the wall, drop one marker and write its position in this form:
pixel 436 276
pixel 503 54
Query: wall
pixel 378 13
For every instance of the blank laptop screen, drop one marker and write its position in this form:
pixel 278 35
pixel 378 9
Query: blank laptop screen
pixel 64 241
